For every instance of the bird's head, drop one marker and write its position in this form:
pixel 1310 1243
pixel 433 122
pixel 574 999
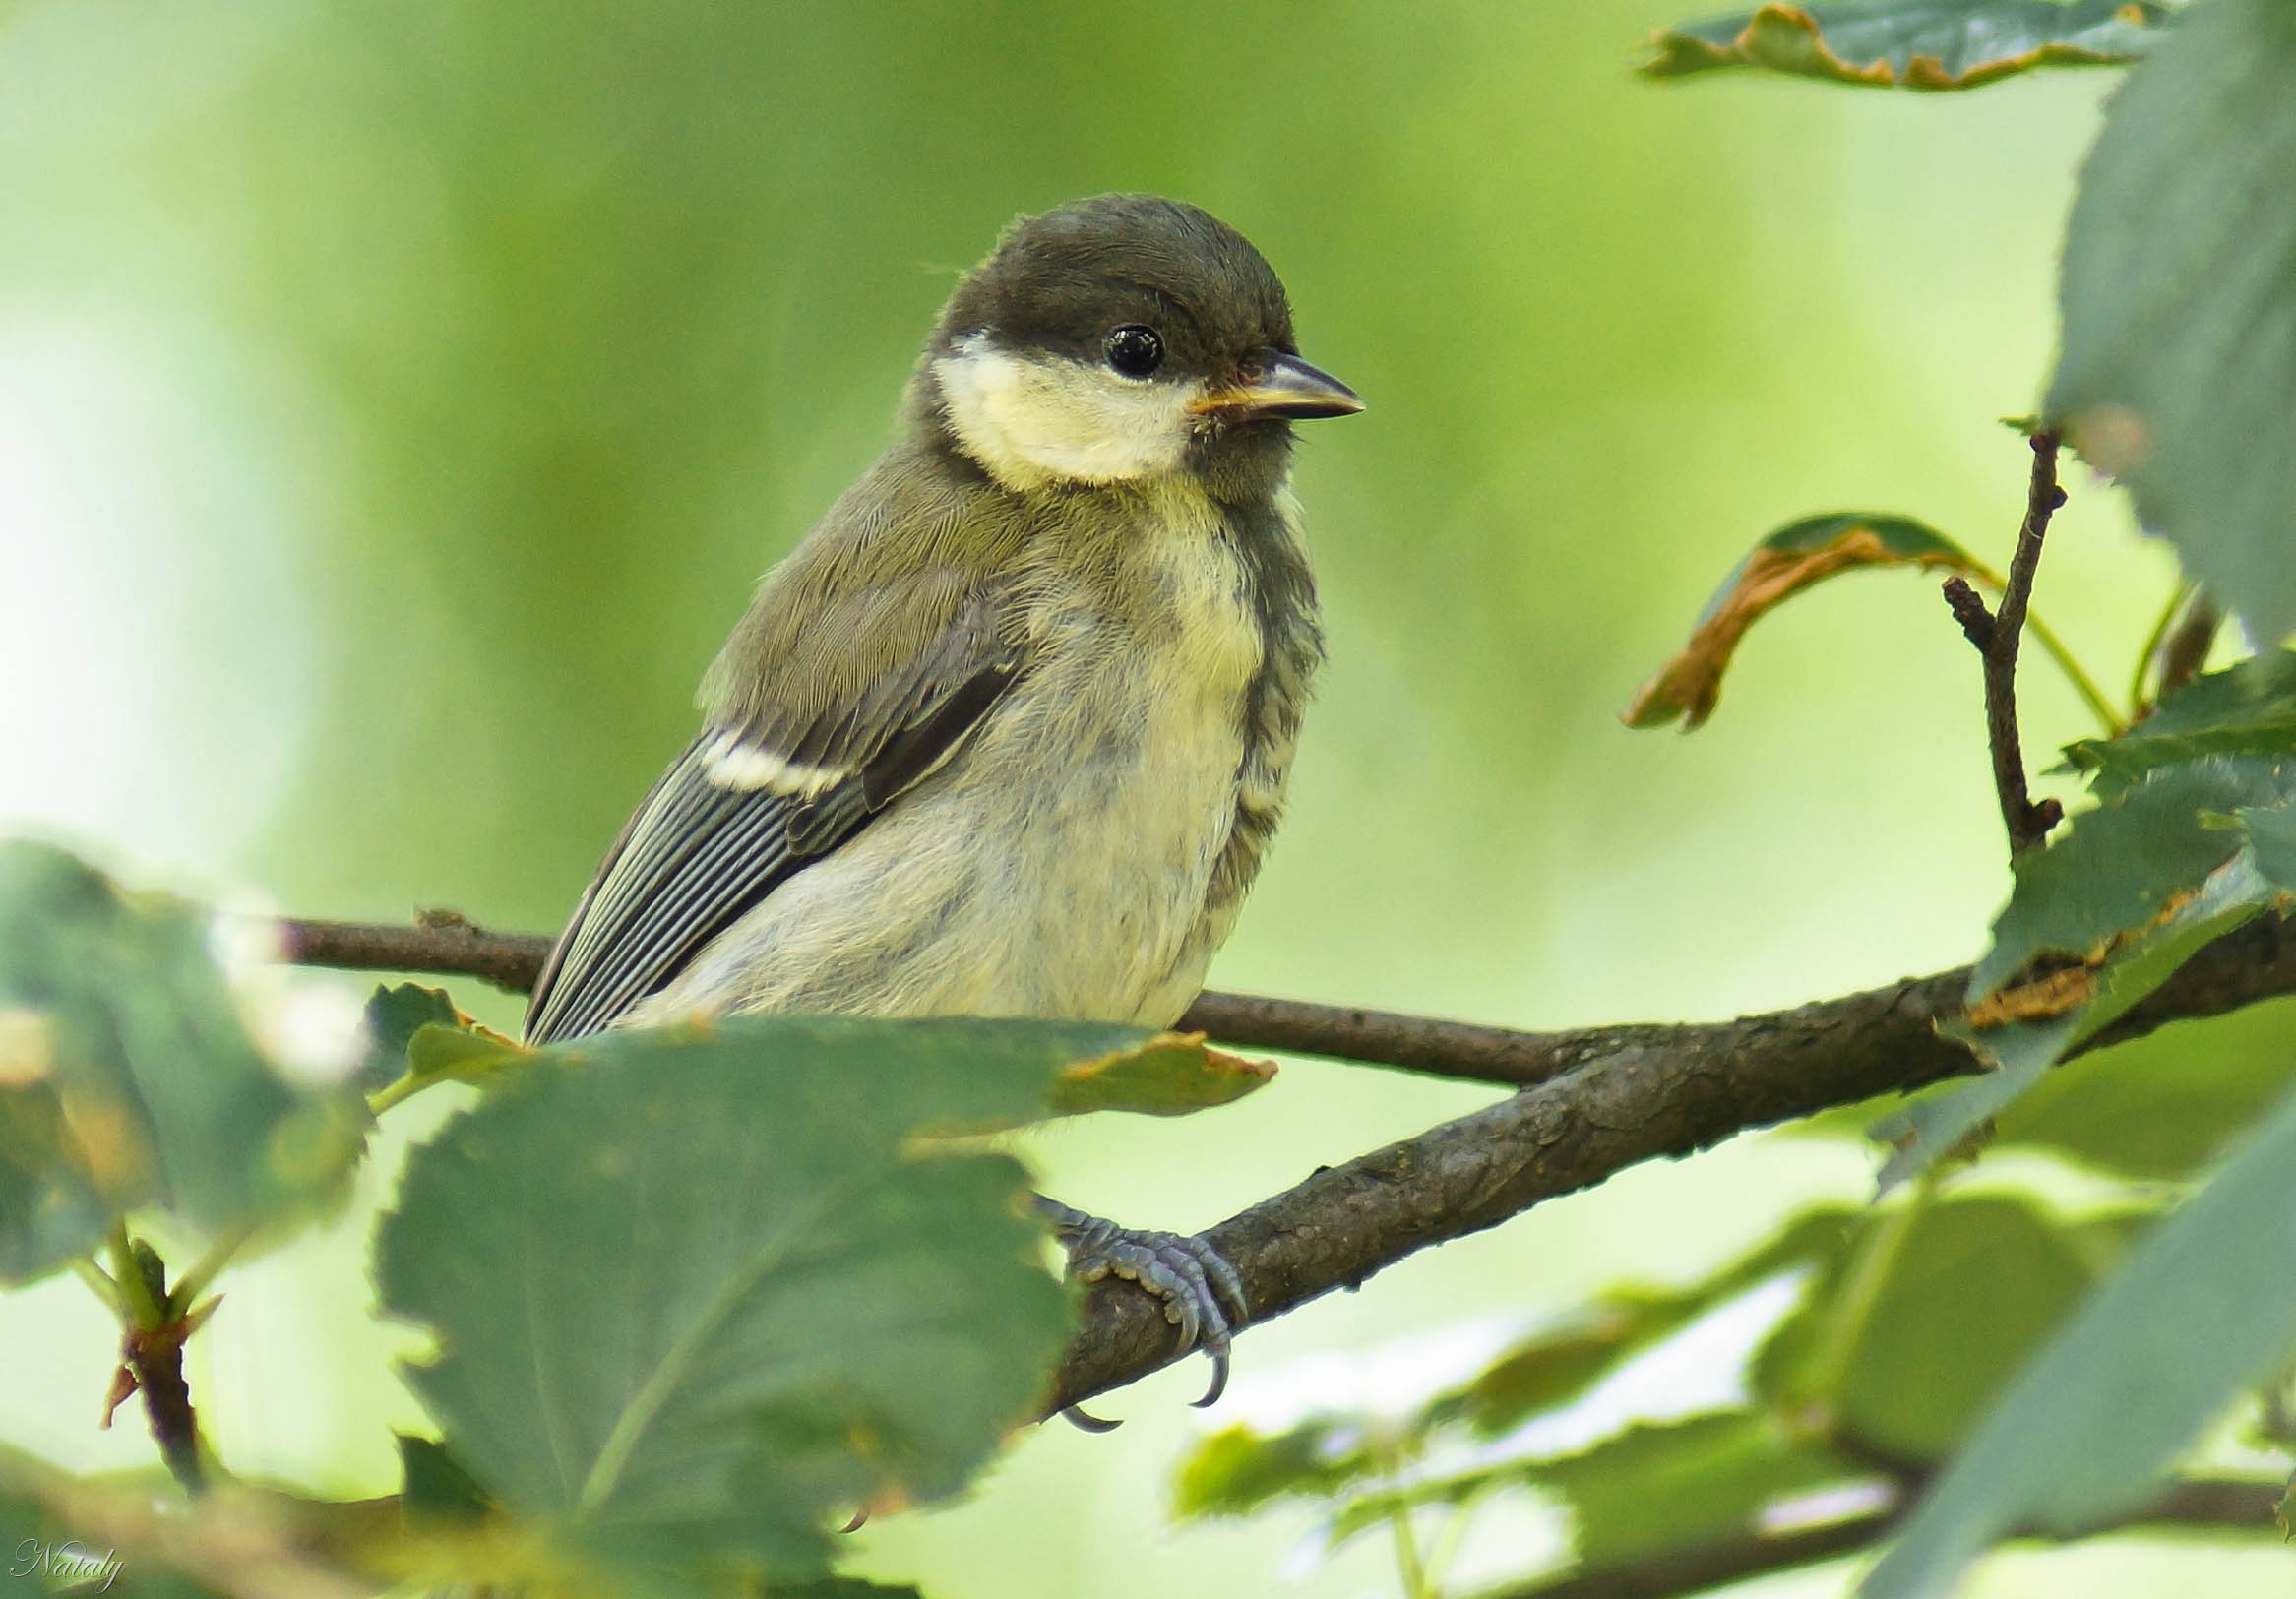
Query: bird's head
pixel 1122 339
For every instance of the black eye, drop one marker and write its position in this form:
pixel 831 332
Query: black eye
pixel 1135 351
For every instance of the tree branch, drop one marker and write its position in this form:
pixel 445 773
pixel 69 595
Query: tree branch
pixel 1663 1091
pixel 444 944
pixel 1602 1100
pixel 2201 1502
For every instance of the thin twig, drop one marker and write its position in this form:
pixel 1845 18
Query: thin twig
pixel 1968 608
pixel 2109 720
pixel 2028 824
pixel 441 943
pixel 157 1360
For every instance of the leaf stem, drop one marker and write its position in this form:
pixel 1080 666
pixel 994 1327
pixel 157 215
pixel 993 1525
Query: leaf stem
pixel 2186 649
pixel 398 1092
pixel 2091 693
pixel 1447 1545
pixel 1408 1564
pixel 193 1283
pixel 143 1310
pixel 2138 700
pixel 101 1284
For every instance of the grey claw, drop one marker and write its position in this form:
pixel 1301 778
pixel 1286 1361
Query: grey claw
pixel 1085 1420
pixel 1220 1383
pixel 1203 1295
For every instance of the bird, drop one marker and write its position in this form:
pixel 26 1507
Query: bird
pixel 1007 734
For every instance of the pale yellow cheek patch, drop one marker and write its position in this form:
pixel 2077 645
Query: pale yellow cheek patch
pixel 1031 422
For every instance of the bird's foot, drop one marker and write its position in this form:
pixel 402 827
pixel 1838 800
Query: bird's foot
pixel 1201 1292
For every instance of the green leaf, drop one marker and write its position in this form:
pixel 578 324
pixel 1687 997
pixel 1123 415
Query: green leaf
pixel 1556 1365
pixel 1914 44
pixel 2020 1051
pixel 395 1012
pixel 1170 1075
pixel 2159 1107
pixel 127 1078
pixel 53 1203
pixel 417 1039
pixel 1645 1493
pixel 2126 864
pixel 692 1300
pixel 1237 1471
pixel 2124 896
pixel 1016 1071
pixel 2195 836
pixel 1657 1488
pixel 1639 1495
pixel 461 1051
pixel 2270 835
pixel 2246 710
pixel 435 1489
pixel 1908 1364
pixel 1790 560
pixel 2205 1308
pixel 2179 302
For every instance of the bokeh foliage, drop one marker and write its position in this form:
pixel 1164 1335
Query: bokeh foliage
pixel 128 1079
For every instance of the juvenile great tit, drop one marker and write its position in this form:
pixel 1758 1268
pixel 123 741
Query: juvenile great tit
pixel 1008 733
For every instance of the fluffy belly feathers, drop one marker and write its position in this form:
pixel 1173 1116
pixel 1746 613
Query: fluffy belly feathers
pixel 1043 872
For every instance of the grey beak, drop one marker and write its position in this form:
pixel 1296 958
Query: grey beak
pixel 1284 386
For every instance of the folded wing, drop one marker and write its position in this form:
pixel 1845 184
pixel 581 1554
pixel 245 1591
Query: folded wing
pixel 746 807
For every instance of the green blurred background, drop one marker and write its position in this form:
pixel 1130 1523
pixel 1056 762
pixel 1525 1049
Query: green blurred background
pixel 398 400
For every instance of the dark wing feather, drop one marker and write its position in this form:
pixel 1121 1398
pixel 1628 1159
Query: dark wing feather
pixel 700 853
pixel 695 857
